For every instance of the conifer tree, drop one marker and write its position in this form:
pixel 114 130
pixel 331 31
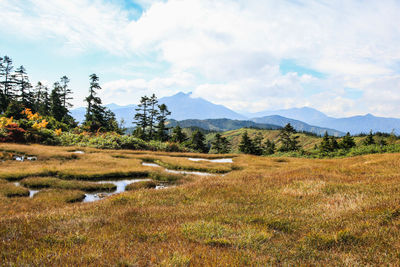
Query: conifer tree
pixel 153 114
pixel 2 94
pixel 141 118
pixel 392 138
pixel 269 147
pixel 66 92
pixel 177 135
pixel 246 145
pixel 56 108
pixel 37 96
pixel 347 142
pixel 325 145
pixel 334 143
pixel 98 118
pixel 288 141
pixel 197 141
pixel 369 140
pixel 162 133
pixel 258 144
pixel 7 83
pixel 24 93
pixel 220 144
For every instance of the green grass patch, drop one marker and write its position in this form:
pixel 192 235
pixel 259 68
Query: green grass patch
pixel 340 239
pixel 220 170
pixel 141 185
pixel 331 189
pixel 12 190
pixel 220 235
pixel 280 225
pixel 60 195
pixel 177 260
pixel 102 176
pixel 120 156
pixel 167 177
pixel 388 216
pixel 12 177
pixel 51 182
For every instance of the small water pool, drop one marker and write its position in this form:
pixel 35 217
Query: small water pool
pixel 176 171
pixel 212 160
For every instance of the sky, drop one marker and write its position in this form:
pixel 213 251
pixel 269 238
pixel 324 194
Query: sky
pixel 341 57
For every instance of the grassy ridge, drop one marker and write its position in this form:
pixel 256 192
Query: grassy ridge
pixel 309 143
pixel 271 211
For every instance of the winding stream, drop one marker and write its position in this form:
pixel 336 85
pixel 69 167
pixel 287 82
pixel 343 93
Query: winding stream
pixel 121 184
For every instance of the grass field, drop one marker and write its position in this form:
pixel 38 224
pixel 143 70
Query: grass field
pixel 254 211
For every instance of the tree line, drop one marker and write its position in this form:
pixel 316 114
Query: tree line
pixel 54 103
pixel 18 94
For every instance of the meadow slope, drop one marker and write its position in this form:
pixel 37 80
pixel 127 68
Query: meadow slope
pixel 255 211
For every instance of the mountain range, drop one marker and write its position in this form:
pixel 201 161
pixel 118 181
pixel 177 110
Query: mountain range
pixel 221 125
pixel 185 107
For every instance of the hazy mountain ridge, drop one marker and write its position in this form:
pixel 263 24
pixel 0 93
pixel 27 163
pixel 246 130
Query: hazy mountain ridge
pixel 298 125
pixel 185 107
pixel 354 125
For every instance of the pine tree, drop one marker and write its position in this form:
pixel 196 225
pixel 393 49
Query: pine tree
pixel 2 94
pixel 369 140
pixel 56 108
pixel 153 114
pixel 258 144
pixel 161 132
pixel 42 99
pixel 334 143
pixel 177 135
pixel 288 141
pixel 220 144
pixel 246 145
pixel 381 142
pixel 66 92
pixel 25 96
pixel 269 147
pixel 325 145
pixel 392 138
pixel 37 96
pixel 141 118
pixel 98 118
pixel 197 141
pixel 347 142
pixel 7 83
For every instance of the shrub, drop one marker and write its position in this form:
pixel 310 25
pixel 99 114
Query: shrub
pixel 12 133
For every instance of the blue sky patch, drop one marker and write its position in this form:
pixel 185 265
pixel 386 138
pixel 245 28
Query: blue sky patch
pixel 353 93
pixel 289 65
pixel 135 10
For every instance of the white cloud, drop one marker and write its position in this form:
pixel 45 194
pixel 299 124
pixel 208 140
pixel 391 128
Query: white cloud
pixel 129 91
pixel 79 24
pixel 231 49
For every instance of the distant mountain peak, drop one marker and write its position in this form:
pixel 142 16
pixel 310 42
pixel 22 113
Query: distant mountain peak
pixel 182 94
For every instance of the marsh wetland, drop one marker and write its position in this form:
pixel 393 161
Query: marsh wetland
pixel 247 210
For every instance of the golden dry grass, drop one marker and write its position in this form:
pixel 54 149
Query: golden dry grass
pixel 266 211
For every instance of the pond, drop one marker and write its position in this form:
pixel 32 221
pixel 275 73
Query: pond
pixel 225 160
pixel 90 197
pixel 121 186
pixel 176 171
